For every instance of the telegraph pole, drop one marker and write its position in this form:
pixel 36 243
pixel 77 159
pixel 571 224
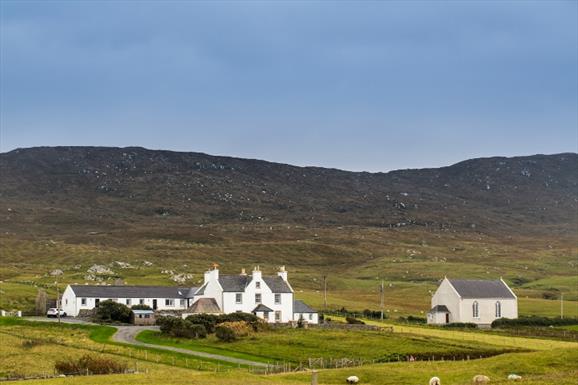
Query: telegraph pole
pixel 57 301
pixel 561 305
pixel 325 292
pixel 381 291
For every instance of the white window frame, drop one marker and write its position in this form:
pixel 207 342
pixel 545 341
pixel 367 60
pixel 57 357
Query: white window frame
pixel 183 303
pixel 475 309
pixel 169 302
pixel 141 301
pixel 238 298
pixel 258 298
pixel 277 316
pixel 83 301
pixel 310 316
pixel 498 309
pixel 128 301
pixel 257 285
pixel 277 299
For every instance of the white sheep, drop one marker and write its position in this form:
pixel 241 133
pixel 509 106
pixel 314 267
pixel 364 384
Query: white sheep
pixel 480 380
pixel 514 377
pixel 435 381
pixel 352 380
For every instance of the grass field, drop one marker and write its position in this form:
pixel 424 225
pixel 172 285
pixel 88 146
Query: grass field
pixel 354 259
pixel 546 367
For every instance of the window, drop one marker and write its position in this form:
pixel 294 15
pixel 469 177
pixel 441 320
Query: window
pixel 141 301
pixel 266 315
pixel 277 316
pixel 257 298
pixel 498 310
pixel 475 310
pixel 83 301
pixel 66 301
pixel 147 316
pixel 169 302
pixel 182 303
pixel 238 298
pixel 127 301
pixel 257 285
pixel 277 299
pixel 310 317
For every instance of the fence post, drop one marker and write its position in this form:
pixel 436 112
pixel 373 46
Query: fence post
pixel 314 377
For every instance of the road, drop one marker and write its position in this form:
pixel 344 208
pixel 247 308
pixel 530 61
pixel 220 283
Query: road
pixel 127 335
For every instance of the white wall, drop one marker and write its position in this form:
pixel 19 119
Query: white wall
pixel 447 295
pixel 68 302
pixel 487 310
pixel 311 318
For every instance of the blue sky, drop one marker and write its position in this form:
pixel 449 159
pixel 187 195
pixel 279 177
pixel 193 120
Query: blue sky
pixel 355 85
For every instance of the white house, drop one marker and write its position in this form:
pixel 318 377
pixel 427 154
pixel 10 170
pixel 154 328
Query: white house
pixel 472 301
pixel 268 297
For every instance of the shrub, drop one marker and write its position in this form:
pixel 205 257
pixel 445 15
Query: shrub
pixel 354 321
pixel 209 321
pixel 141 307
pixel 241 328
pixel 110 311
pixel 533 321
pixel 88 364
pixel 256 323
pixel 178 327
pixel 225 334
pixel 461 325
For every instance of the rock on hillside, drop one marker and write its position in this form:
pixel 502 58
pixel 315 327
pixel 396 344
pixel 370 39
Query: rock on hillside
pixel 55 189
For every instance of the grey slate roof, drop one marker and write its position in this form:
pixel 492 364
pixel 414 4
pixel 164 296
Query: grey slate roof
pixel 102 291
pixel 238 283
pixel 481 288
pixel 199 291
pixel 439 309
pixel 262 308
pixel 302 307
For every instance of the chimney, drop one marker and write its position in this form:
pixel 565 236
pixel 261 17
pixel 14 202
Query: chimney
pixel 212 274
pixel 256 273
pixel 243 271
pixel 282 273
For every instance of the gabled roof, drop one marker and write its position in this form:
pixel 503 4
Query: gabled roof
pixel 205 305
pixel 262 308
pixel 302 307
pixel 238 283
pixel 199 291
pixel 102 291
pixel 277 284
pixel 234 282
pixel 439 309
pixel 481 288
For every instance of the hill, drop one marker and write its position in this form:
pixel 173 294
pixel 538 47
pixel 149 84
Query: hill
pixel 76 189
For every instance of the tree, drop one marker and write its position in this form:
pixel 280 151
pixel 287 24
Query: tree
pixel 110 311
pixel 40 304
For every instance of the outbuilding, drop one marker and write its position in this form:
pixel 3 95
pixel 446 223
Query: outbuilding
pixel 143 317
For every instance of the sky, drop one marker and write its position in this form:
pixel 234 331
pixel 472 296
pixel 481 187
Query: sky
pixel 360 85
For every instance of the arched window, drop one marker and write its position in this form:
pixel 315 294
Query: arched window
pixel 498 310
pixel 475 310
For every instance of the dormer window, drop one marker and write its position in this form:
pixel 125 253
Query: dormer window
pixel 257 285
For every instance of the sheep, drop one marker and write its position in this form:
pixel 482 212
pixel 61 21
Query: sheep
pixel 435 381
pixel 514 377
pixel 480 380
pixel 352 380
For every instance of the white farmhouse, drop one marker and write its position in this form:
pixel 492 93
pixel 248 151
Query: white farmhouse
pixel 472 301
pixel 269 297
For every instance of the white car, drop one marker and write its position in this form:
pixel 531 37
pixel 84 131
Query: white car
pixel 53 313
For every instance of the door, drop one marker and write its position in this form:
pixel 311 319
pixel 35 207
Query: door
pixel 447 318
pixel 154 304
pixel 96 302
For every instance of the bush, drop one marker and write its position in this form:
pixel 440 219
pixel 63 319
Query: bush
pixel 241 328
pixel 412 319
pixel 225 333
pixel 354 321
pixel 461 325
pixel 178 327
pixel 256 323
pixel 88 364
pixel 110 311
pixel 141 307
pixel 209 321
pixel 533 322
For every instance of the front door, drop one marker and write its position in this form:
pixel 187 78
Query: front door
pixel 447 318
pixel 154 304
pixel 96 302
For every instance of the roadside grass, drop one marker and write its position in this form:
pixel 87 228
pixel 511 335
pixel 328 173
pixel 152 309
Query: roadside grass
pixel 96 338
pixel 300 345
pixel 475 335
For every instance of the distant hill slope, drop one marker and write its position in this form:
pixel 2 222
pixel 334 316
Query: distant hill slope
pixel 56 189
